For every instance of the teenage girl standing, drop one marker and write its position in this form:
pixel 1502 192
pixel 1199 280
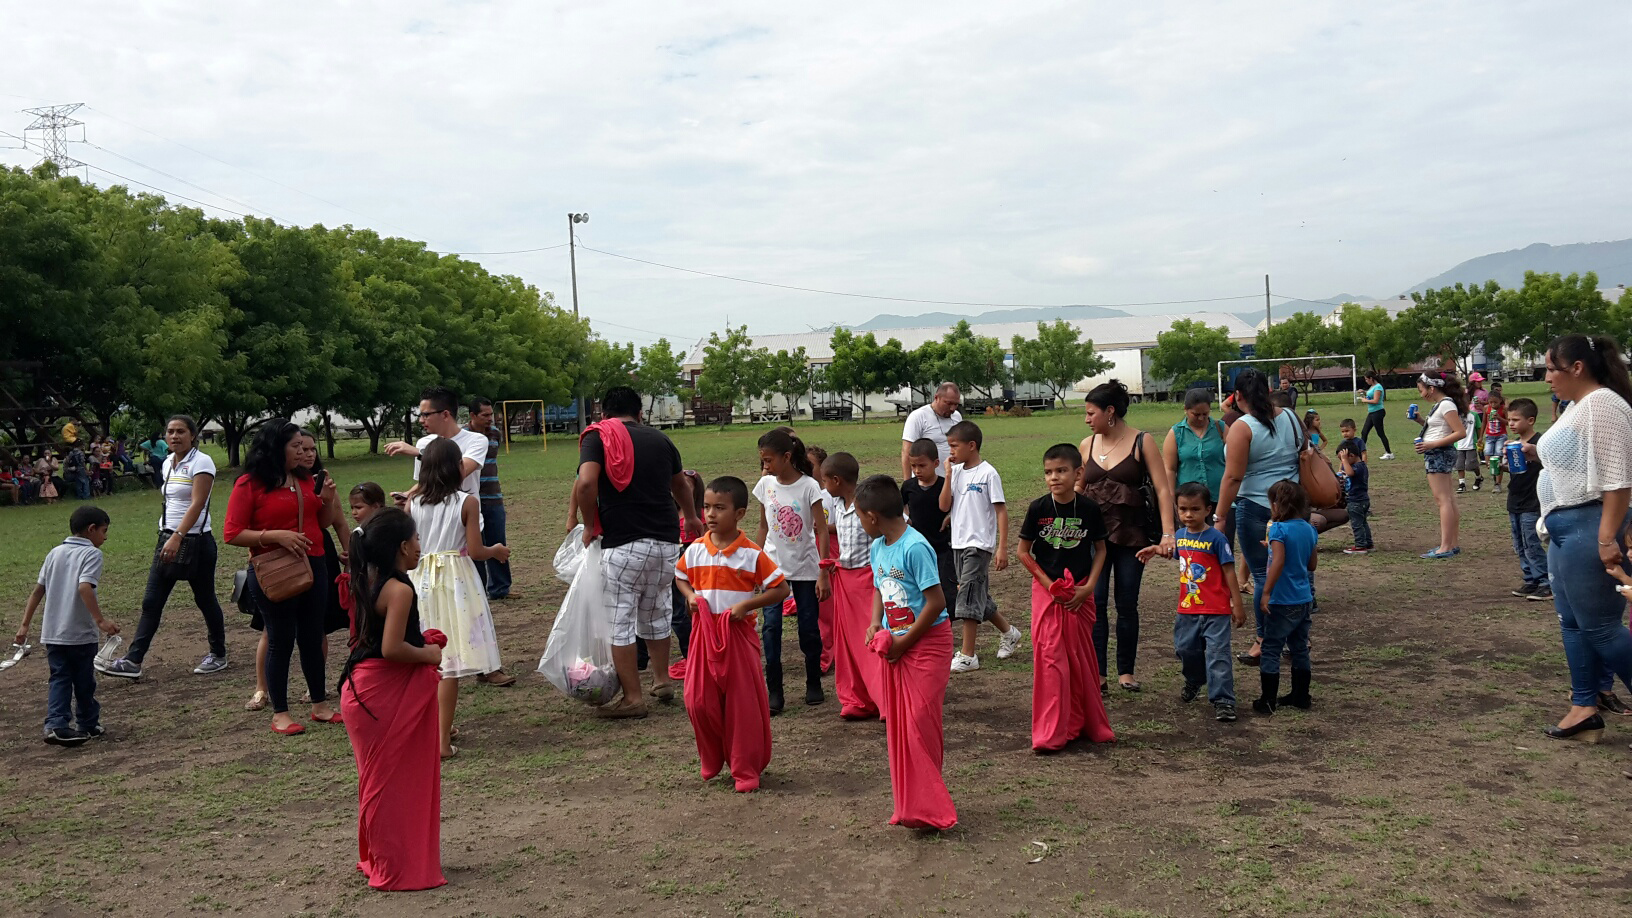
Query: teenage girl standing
pixel 388 697
pixel 793 529
pixel 451 595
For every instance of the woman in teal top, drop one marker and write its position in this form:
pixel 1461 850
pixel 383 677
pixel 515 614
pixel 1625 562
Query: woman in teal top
pixel 1375 413
pixel 1194 448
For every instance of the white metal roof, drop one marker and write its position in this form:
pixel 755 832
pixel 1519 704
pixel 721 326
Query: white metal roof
pixel 1116 332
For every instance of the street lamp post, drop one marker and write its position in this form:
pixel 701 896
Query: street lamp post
pixel 572 252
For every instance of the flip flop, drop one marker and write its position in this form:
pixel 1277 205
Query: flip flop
pixel 258 701
pixel 450 755
pixel 1130 686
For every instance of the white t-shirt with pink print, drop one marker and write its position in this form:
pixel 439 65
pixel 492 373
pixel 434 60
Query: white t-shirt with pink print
pixel 790 524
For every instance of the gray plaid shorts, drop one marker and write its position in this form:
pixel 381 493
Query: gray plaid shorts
pixel 639 576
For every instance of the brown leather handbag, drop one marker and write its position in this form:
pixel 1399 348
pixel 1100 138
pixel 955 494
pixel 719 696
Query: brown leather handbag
pixel 1317 478
pixel 280 573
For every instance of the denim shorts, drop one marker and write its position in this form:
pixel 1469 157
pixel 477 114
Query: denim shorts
pixel 1440 461
pixel 1495 446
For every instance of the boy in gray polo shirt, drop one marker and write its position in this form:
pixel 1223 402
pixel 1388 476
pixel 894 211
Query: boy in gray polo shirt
pixel 69 626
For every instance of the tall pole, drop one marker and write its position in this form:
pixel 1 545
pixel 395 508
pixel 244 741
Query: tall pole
pixel 572 252
pixel 1268 320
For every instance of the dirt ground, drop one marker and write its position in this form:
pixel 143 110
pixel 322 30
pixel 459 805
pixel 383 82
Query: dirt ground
pixel 1419 785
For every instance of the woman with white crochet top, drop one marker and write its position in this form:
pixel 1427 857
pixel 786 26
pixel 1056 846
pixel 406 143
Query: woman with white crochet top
pixel 1584 489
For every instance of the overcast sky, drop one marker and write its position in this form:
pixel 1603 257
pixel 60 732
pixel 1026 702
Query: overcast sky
pixel 1004 153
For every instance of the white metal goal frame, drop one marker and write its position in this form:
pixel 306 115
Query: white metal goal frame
pixel 1354 376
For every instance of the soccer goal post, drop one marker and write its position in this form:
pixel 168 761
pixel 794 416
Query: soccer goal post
pixel 1334 359
pixel 506 413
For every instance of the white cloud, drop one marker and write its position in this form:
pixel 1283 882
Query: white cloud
pixel 1030 152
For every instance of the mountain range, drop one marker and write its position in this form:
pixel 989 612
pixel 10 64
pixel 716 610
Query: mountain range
pixel 1611 261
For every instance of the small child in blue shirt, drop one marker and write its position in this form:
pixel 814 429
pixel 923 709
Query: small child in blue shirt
pixel 1288 597
pixel 1357 487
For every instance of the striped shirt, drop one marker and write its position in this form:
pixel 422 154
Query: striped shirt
pixel 489 484
pixel 855 545
pixel 723 577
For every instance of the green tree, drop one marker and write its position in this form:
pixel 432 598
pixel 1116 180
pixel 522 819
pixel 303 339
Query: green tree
pixel 1450 323
pixel 733 372
pixel 606 364
pixel 1376 339
pixel 975 362
pixel 659 371
pixel 1550 305
pixel 923 368
pixel 1057 358
pixel 788 374
pixel 1302 334
pixel 1190 351
pixel 861 366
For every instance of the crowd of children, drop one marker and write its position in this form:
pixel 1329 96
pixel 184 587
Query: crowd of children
pixel 875 572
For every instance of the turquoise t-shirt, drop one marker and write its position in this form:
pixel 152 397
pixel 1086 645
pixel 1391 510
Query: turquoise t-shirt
pixel 1377 392
pixel 902 572
pixel 1299 539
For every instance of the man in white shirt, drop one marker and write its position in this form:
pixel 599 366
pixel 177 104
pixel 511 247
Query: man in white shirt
pixel 439 415
pixel 931 421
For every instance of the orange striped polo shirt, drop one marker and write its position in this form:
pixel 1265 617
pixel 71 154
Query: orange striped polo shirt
pixel 723 577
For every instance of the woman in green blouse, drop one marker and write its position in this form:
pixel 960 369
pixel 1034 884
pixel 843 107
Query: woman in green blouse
pixel 1194 448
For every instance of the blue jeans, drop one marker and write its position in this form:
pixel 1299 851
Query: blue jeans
pixel 82 485
pixel 1360 522
pixel 1286 626
pixel 810 637
pixel 1589 609
pixel 1252 527
pixel 1527 545
pixel 496 574
pixel 1202 643
pixel 72 678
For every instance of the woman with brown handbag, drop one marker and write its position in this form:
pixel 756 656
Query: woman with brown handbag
pixel 276 512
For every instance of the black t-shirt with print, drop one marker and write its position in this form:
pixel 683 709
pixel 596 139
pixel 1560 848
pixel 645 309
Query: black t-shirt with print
pixel 1062 535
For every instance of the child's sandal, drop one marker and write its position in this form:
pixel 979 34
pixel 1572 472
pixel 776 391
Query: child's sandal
pixel 258 701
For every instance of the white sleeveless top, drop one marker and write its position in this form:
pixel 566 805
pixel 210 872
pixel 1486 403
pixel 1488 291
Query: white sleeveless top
pixel 441 526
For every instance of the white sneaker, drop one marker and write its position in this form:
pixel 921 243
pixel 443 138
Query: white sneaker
pixel 965 664
pixel 1388 455
pixel 1009 643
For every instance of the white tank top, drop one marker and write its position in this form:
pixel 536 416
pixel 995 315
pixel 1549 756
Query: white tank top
pixel 441 526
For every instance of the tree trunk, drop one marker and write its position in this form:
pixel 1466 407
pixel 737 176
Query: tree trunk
pixel 328 433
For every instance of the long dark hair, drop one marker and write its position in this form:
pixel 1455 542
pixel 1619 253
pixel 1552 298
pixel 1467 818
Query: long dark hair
pixel 439 474
pixel 1252 394
pixel 1452 387
pixel 785 441
pixel 265 461
pixel 1599 355
pixel 374 550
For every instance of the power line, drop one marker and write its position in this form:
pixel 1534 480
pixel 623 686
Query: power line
pixel 176 178
pixel 903 299
pixel 544 248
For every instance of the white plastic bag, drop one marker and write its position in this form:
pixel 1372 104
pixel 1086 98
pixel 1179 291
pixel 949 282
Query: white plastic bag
pixel 578 658
pixel 570 555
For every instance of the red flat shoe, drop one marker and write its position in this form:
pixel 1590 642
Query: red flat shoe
pixel 334 718
pixel 290 730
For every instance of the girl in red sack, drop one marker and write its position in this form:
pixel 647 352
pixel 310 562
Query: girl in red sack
pixel 1062 544
pixel 388 696
pixel 910 631
pixel 726 579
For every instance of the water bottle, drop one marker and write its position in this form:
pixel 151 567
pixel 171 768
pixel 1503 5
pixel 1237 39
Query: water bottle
pixel 109 651
pixel 1516 463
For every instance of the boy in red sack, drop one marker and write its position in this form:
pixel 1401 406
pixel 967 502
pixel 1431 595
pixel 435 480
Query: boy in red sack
pixel 725 579
pixel 1062 544
pixel 859 680
pixel 910 630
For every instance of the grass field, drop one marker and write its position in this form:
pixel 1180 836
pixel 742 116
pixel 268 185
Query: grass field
pixel 1419 785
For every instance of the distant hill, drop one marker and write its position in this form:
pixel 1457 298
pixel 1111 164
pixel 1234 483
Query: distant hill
pixel 1612 261
pixel 1025 314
